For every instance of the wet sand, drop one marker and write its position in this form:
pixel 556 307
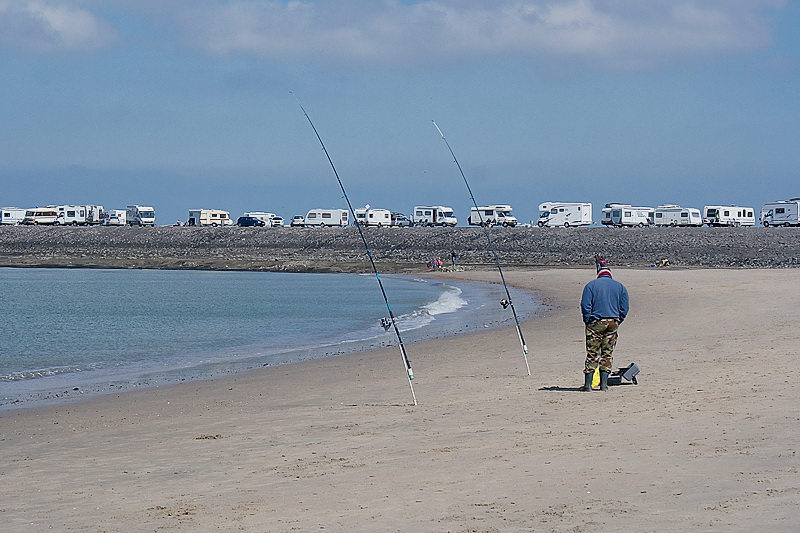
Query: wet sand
pixel 706 441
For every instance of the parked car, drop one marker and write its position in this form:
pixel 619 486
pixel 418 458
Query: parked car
pixel 400 220
pixel 249 222
pixel 298 221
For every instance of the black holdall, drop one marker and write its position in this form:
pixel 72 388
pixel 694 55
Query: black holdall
pixel 628 374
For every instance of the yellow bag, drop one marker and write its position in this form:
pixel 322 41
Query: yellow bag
pixel 596 378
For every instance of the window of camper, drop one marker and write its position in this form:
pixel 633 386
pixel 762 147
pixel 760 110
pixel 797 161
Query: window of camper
pixel 326 215
pixel 779 210
pixel 312 215
pixel 684 215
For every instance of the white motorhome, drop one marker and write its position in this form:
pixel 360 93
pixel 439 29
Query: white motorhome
pixel 11 215
pixel 79 215
pixel 270 220
pixel 565 214
pixel 628 215
pixel 140 215
pixel 781 213
pixel 372 216
pixel 115 217
pixel 605 217
pixel 675 215
pixel 433 215
pixel 41 216
pixel 492 215
pixel 728 215
pixel 209 217
pixel 327 217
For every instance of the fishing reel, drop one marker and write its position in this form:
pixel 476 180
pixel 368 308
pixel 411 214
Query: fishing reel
pixel 386 323
pixel 505 303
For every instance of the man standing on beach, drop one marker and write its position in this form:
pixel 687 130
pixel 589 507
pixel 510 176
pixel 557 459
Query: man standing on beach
pixel 604 305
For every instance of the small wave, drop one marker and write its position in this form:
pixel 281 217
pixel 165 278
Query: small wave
pixel 449 301
pixel 39 373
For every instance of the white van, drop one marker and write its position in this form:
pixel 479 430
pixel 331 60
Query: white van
pixel 605 213
pixel 41 216
pixel 781 213
pixel 433 215
pixel 327 217
pixel 566 214
pixel 492 215
pixel 115 217
pixel 728 215
pixel 629 215
pixel 209 217
pixel 372 216
pixel 11 215
pixel 675 215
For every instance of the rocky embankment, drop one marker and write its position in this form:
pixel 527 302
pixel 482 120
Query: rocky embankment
pixel 394 249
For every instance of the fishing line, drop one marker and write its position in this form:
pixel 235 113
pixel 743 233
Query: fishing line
pixel 406 361
pixel 507 302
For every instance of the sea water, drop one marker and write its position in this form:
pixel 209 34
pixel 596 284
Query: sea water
pixel 70 332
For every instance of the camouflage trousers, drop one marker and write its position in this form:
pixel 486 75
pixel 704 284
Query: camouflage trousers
pixel 601 337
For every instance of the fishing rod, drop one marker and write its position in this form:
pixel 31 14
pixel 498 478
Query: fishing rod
pixel 392 319
pixel 507 302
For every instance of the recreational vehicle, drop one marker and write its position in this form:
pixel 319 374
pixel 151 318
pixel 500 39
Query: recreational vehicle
pixel 433 215
pixel 565 214
pixel 270 220
pixel 11 215
pixel 627 215
pixel 728 215
pixel 41 216
pixel 79 215
pixel 492 215
pixel 327 217
pixel 209 217
pixel 781 213
pixel 115 217
pixel 675 215
pixel 140 215
pixel 371 216
pixel 605 218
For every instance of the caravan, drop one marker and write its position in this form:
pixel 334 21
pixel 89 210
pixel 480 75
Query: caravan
pixel 327 217
pixel 433 215
pixel 781 213
pixel 628 215
pixel 492 215
pixel 209 217
pixel 115 217
pixel 728 215
pixel 41 216
pixel 11 215
pixel 370 216
pixel 675 215
pixel 79 215
pixel 565 214
pixel 140 215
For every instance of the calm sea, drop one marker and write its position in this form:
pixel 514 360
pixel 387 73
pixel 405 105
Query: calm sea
pixel 69 332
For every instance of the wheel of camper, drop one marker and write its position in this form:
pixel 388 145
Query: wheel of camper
pixel 766 224
pixel 641 224
pixel 540 224
pixel 566 224
pixel 505 224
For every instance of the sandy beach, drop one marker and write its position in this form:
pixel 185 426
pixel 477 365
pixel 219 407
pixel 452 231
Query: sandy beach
pixel 706 441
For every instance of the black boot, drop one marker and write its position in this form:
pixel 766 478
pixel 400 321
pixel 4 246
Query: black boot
pixel 587 385
pixel 603 380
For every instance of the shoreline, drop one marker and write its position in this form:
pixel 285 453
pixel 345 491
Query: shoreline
pixel 706 442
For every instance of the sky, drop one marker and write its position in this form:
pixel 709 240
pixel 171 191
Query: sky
pixel 192 104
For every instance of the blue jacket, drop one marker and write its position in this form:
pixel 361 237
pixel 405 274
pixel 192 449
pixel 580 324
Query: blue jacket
pixel 604 297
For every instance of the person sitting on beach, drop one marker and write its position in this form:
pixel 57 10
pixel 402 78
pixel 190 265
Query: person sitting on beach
pixel 604 305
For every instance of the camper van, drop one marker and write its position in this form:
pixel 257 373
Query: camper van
pixel 675 215
pixel 781 213
pixel 41 216
pixel 372 216
pixel 140 215
pixel 270 220
pixel 327 217
pixel 79 215
pixel 209 217
pixel 433 215
pixel 628 215
pixel 566 214
pixel 605 217
pixel 728 215
pixel 12 216
pixel 492 215
pixel 115 217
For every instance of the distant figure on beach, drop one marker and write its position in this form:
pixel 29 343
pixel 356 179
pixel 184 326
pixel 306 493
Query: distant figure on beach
pixel 604 305
pixel 453 257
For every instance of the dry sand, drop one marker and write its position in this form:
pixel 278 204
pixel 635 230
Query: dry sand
pixel 706 442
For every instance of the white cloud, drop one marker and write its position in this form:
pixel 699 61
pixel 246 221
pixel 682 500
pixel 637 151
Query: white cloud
pixel 609 32
pixel 49 27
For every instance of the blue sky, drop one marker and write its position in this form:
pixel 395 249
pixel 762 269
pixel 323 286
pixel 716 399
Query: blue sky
pixel 186 104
